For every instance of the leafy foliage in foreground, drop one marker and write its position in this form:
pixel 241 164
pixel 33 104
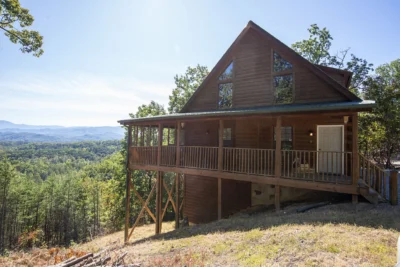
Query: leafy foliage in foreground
pixel 15 22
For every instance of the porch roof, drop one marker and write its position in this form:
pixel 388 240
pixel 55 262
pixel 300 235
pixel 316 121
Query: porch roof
pixel 280 109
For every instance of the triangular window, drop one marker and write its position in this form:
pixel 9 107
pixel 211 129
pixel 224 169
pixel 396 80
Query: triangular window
pixel 227 74
pixel 280 64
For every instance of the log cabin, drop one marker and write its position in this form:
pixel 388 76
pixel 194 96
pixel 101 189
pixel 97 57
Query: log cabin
pixel 265 127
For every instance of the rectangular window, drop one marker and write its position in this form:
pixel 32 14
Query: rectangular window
pixel 227 136
pixel 283 86
pixel 225 95
pixel 286 138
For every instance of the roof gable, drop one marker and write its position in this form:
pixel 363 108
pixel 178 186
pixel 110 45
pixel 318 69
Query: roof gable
pixel 289 54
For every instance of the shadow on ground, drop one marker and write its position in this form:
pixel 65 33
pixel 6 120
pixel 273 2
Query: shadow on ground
pixel 363 214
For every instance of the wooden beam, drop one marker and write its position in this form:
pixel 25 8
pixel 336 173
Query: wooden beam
pixel 160 137
pixel 394 187
pixel 278 146
pixel 128 185
pixel 284 182
pixel 143 203
pixel 356 164
pixel 142 210
pixel 219 199
pixel 177 193
pixel 158 202
pixel 220 145
pixel 277 198
pixel 178 144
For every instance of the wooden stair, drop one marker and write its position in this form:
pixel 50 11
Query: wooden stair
pixel 369 193
pixel 372 184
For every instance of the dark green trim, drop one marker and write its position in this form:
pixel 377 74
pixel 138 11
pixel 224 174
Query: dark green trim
pixel 281 109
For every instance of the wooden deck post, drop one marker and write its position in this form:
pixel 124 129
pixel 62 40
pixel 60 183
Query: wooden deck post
pixel 355 171
pixel 220 145
pixel 278 160
pixel 394 187
pixel 220 165
pixel 128 185
pixel 178 144
pixel 158 202
pixel 177 204
pixel 160 138
pixel 219 198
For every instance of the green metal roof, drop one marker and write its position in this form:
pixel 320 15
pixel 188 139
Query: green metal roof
pixel 281 109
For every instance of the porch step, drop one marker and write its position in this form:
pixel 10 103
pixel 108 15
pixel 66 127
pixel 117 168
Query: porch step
pixel 369 193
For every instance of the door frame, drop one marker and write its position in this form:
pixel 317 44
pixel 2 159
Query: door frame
pixel 326 126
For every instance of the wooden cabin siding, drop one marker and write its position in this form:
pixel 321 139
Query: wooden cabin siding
pixel 311 89
pixel 201 133
pixel 236 196
pixel 253 79
pixel 201 198
pixel 200 204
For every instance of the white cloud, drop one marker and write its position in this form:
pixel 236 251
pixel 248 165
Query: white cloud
pixel 99 100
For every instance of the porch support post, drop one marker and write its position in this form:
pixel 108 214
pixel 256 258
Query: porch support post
pixel 177 204
pixel 128 185
pixel 159 202
pixel 220 144
pixel 356 165
pixel 178 144
pixel 278 159
pixel 219 198
pixel 160 137
pixel 220 167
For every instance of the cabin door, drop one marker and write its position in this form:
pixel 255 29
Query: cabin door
pixel 330 147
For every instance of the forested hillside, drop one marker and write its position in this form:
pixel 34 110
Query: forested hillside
pixel 58 193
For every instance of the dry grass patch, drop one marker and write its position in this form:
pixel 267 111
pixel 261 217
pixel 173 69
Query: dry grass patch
pixel 337 235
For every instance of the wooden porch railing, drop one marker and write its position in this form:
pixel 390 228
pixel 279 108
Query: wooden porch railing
pixel 373 176
pixel 168 156
pixel 249 160
pixel 199 157
pixel 146 155
pixel 318 166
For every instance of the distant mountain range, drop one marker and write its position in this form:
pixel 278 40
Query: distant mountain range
pixel 52 133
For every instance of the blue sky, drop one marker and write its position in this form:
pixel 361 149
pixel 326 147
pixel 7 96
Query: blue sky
pixel 105 58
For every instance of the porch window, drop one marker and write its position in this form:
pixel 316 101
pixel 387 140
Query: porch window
pixel 282 80
pixel 286 138
pixel 227 135
pixel 225 88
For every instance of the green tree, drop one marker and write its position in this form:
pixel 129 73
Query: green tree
pixel 185 86
pixel 7 174
pixel 380 130
pixel 152 109
pixel 317 50
pixel 15 22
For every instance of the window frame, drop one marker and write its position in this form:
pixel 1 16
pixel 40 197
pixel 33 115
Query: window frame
pixel 282 73
pixel 274 137
pixel 226 81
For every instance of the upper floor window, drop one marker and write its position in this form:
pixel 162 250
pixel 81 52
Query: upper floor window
pixel 225 88
pixel 282 80
pixel 280 64
pixel 227 74
pixel 283 86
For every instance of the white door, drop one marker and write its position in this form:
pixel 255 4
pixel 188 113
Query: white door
pixel 330 146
